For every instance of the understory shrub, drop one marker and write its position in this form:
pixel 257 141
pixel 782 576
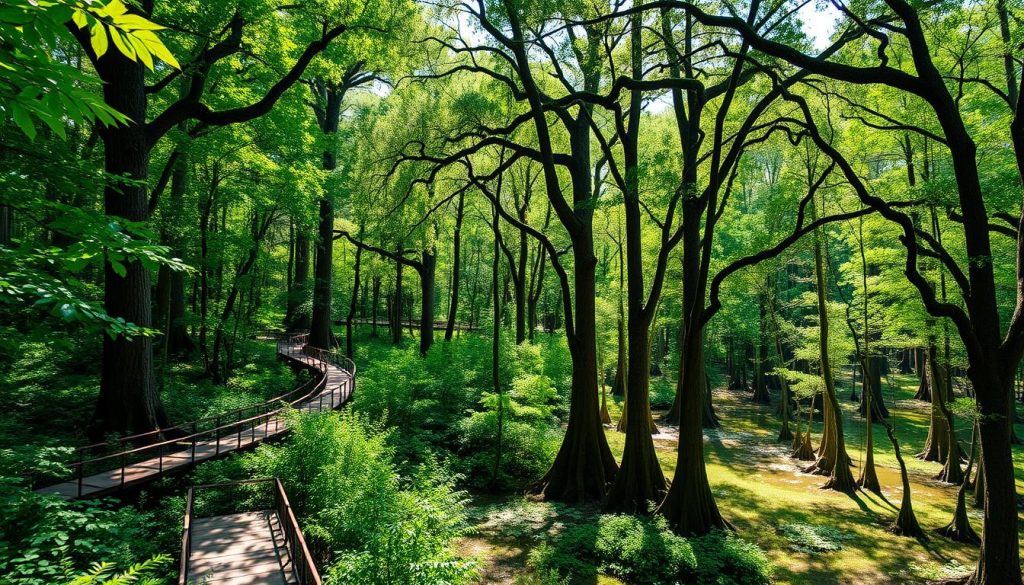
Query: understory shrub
pixel 529 439
pixel 644 551
pixel 445 405
pixel 369 523
pixel 663 393
pixel 46 540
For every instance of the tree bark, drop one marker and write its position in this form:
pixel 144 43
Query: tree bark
pixel 832 457
pixel 453 306
pixel 128 401
pixel 349 351
pixel 296 317
pixel 320 335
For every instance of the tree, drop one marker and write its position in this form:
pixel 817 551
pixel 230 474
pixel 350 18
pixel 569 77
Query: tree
pixel 128 400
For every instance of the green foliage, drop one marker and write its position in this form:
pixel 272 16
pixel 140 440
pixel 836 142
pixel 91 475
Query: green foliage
pixel 46 278
pixel 663 393
pixel 382 527
pixel 37 85
pixel 140 573
pixel 644 550
pixel 46 540
pixel 811 538
pixel 528 440
pixel 726 559
pixel 446 410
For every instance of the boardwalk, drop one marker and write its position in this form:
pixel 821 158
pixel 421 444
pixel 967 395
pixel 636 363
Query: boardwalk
pixel 232 544
pixel 239 549
pixel 179 455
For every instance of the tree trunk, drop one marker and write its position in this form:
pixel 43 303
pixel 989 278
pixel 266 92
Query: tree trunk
pixel 427 273
pixel 296 317
pixel 128 401
pixel 321 321
pixel 495 347
pixel 584 465
pixel 959 528
pixel 520 282
pixel 259 229
pixel 352 306
pixel 171 283
pixel 453 306
pixel 906 522
pixel 395 318
pixel 999 556
pixel 761 393
pixel 689 506
pixel 832 457
pixel 640 479
pixel 320 333
pixel 872 378
pixel 376 305
pixel 6 225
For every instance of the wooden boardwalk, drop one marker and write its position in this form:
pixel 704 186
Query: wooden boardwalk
pixel 240 549
pixel 336 391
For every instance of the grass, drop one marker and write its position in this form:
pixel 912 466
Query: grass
pixel 763 492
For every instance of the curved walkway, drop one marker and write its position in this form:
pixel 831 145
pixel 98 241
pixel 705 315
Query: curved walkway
pixel 331 388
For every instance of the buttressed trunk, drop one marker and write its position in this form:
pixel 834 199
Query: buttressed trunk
pixel 584 465
pixel 689 506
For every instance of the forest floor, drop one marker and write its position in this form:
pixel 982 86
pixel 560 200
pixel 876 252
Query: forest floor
pixel 813 536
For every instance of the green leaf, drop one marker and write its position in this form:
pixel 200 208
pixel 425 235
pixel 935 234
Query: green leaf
pixel 156 47
pixel 79 18
pixel 125 48
pixel 98 39
pixel 140 50
pixel 23 120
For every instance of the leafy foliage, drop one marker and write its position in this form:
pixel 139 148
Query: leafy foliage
pixel 380 526
pixel 641 550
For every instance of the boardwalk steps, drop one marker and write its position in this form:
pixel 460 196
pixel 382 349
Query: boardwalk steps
pixel 252 537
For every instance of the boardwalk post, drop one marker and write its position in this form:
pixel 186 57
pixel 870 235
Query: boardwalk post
pixel 332 374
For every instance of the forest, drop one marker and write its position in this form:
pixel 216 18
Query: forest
pixel 537 292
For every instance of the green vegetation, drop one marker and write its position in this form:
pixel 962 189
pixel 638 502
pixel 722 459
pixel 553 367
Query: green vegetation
pixel 632 292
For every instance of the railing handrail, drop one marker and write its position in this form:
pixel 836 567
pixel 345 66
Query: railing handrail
pixel 182 426
pixel 307 558
pixel 250 423
pixel 317 388
pixel 308 574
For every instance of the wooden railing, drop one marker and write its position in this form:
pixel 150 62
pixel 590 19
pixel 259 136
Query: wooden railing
pixel 223 429
pixel 301 559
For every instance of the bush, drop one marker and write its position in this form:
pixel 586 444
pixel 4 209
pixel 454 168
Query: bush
pixel 726 559
pixel 638 550
pixel 444 410
pixel 644 550
pixel 45 538
pixel 663 393
pixel 341 476
pixel 529 439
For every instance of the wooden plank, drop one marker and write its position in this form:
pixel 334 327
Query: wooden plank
pixel 238 549
pixel 337 389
